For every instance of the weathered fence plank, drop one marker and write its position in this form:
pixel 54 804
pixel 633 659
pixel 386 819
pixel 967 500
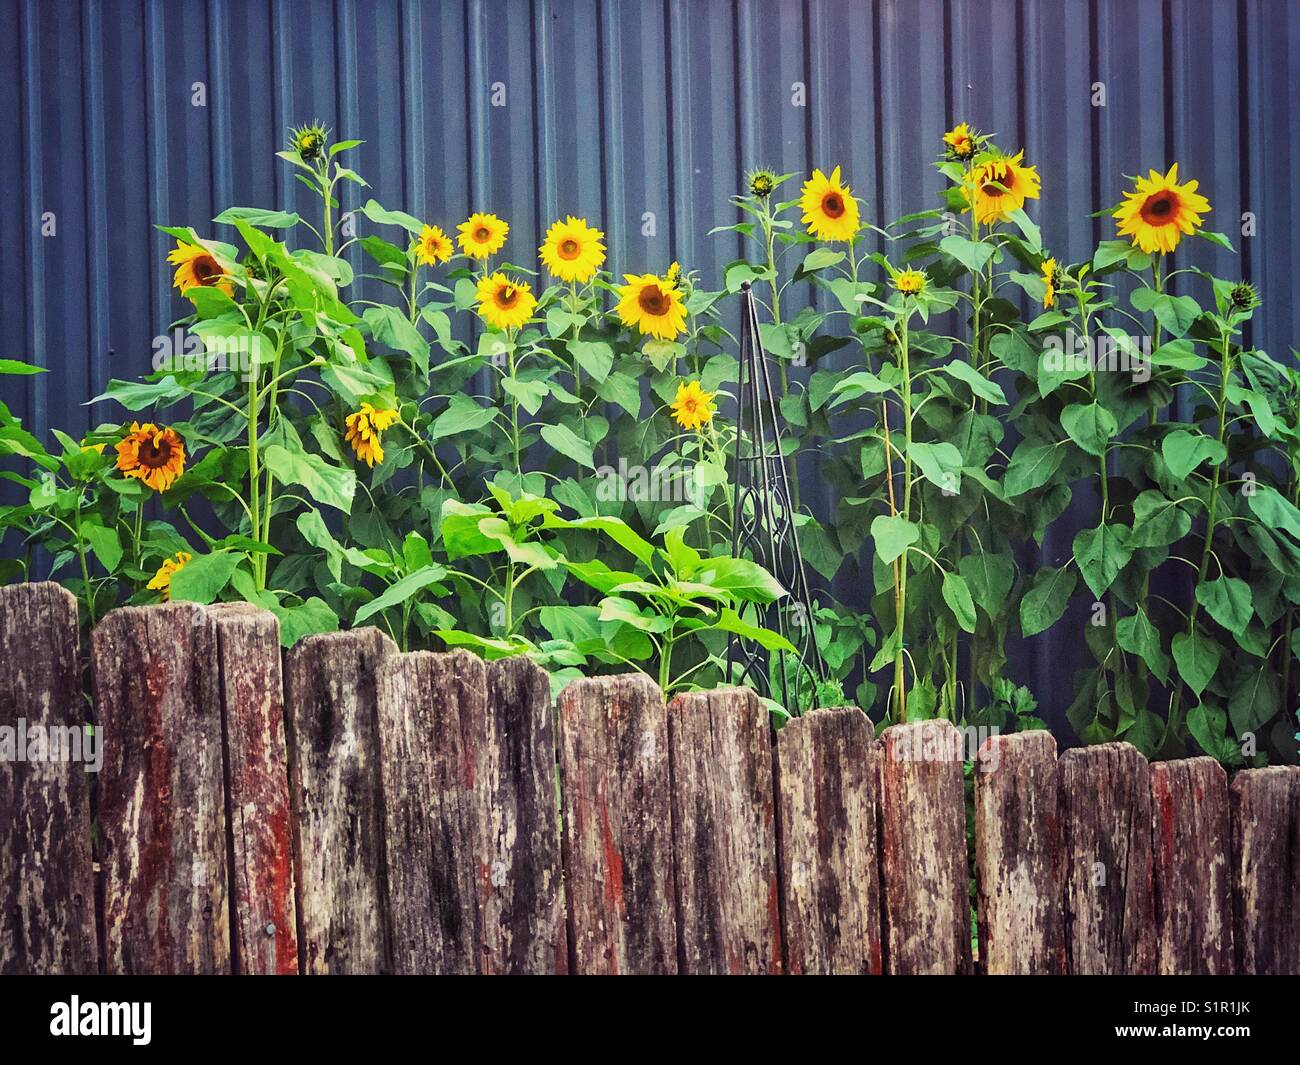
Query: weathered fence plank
pixel 332 734
pixel 161 803
pixel 923 841
pixel 724 833
pixel 1265 806
pixel 617 822
pixel 1106 834
pixel 47 894
pixel 826 842
pixel 1018 856
pixel 1191 872
pixel 264 927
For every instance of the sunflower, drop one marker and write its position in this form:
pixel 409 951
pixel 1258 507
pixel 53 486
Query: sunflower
pixel 505 303
pixel 1243 297
pixel 195 265
pixel 999 186
pixel 961 143
pixel 1159 211
pixel 653 304
pixel 1051 275
pixel 829 209
pixel 572 250
pixel 910 282
pixel 693 408
pixel 482 235
pixel 153 454
pixel 433 246
pixel 308 141
pixel 762 183
pixel 364 429
pixel 162 580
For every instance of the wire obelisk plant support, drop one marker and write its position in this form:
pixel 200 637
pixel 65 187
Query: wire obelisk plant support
pixel 763 529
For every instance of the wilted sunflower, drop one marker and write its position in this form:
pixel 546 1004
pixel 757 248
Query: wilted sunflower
pixel 910 282
pixel 308 141
pixel 1159 211
pixel 505 303
pixel 482 235
pixel 162 580
pixel 653 305
pixel 693 408
pixel 364 429
pixel 762 183
pixel 1244 296
pixel 961 143
pixel 1051 275
pixel 196 266
pixel 572 250
pixel 433 246
pixel 152 454
pixel 999 186
pixel 829 209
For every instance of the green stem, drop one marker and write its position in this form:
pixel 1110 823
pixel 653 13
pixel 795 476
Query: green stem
pixel 85 567
pixel 900 687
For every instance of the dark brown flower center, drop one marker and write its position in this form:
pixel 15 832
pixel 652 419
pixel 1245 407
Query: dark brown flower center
pixel 1159 210
pixel 155 456
pixel 507 297
pixel 206 270
pixel 833 205
pixel 653 301
pixel 569 248
pixel 481 234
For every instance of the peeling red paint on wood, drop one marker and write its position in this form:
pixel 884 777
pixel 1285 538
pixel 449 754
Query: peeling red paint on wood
pixel 1265 817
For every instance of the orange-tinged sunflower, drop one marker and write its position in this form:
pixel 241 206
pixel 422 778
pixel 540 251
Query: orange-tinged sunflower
pixel 482 235
pixel 910 282
pixel 960 142
pixel 653 304
pixel 505 303
pixel 693 408
pixel 1051 275
pixel 433 246
pixel 364 429
pixel 999 186
pixel 153 454
pixel 196 266
pixel 829 210
pixel 1159 211
pixel 162 580
pixel 572 250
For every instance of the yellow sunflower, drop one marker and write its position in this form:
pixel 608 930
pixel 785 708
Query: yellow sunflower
pixel 653 305
pixel 910 282
pixel 162 580
pixel 152 454
pixel 1159 211
pixel 693 408
pixel 999 186
pixel 482 235
pixel 364 429
pixel 829 209
pixel 960 142
pixel 572 250
pixel 196 266
pixel 505 303
pixel 1051 274
pixel 433 246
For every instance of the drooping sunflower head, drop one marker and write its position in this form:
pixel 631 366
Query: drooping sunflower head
pixel 162 580
pixel 829 209
pixel 153 454
pixel 961 143
pixel 482 235
pixel 999 185
pixel 505 303
pixel 1157 213
pixel 1243 297
pixel 308 141
pixel 1051 276
pixel 196 266
pixel 432 246
pixel 653 304
pixel 364 428
pixel 693 408
pixel 910 282
pixel 572 250
pixel 761 183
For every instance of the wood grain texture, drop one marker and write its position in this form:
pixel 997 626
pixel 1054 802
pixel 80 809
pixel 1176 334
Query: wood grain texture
pixel 1106 832
pixel 335 788
pixel 617 822
pixel 923 849
pixel 1191 867
pixel 1018 865
pixel 47 893
pixel 724 834
pixel 161 801
pixel 1265 812
pixel 830 875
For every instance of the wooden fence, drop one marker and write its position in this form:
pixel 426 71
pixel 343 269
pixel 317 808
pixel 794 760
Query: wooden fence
pixel 353 809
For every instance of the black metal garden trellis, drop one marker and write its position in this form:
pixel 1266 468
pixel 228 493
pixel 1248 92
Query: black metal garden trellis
pixel 763 529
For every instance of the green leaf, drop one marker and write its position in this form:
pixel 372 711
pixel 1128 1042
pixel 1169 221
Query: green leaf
pixel 372 210
pixel 1274 510
pixel 615 528
pixel 528 394
pixel 567 443
pixel 1101 553
pixel 972 254
pixel 203 578
pixel 106 544
pixel 1031 466
pixel 729 621
pixel 990 576
pixel 979 384
pixel 1090 425
pixel 857 384
pixel 940 463
pixel 594 356
pixel 1184 451
pixel 331 485
pixel 401 591
pixel 1110 252
pixel 1209 726
pixel 16 366
pixel 1045 599
pixel 1197 657
pixel 1157 521
pixel 1175 313
pixel 742 578
pixel 463 415
pixel 819 259
pixel 306 619
pixel 257 216
pixel 1255 699
pixel 1136 635
pixel 893 535
pixel 956 593
pixel 621 388
pixel 1228 601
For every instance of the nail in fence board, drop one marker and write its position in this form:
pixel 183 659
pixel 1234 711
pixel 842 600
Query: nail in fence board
pixel 335 793
pixel 923 849
pixel 1106 832
pixel 724 841
pixel 1192 878
pixel 617 822
pixel 826 842
pixel 1265 805
pixel 47 896
pixel 161 807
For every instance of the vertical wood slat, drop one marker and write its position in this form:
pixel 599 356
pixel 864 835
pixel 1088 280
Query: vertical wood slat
pixel 47 895
pixel 1018 864
pixel 1191 870
pixel 332 732
pixel 830 873
pixel 1106 834
pixel 724 834
pixel 617 821
pixel 923 849
pixel 1265 805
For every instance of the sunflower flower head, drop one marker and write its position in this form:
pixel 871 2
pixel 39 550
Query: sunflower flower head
pixel 961 143
pixel 572 250
pixel 432 246
pixel 481 236
pixel 197 267
pixel 152 454
pixel 910 282
pixel 161 581
pixel 364 429
pixel 505 303
pixel 1243 297
pixel 761 182
pixel 693 408
pixel 653 304
pixel 999 185
pixel 1051 278
pixel 1158 211
pixel 829 209
pixel 308 141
